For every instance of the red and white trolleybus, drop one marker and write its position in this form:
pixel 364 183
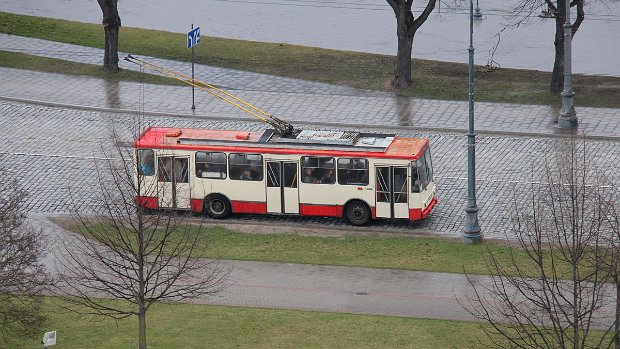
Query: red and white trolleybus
pixel 353 175
pixel 358 176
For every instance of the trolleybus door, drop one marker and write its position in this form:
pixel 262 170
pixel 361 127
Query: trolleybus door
pixel 282 187
pixel 391 192
pixel 173 182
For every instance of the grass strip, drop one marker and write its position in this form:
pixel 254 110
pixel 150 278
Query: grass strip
pixel 52 65
pixel 235 327
pixel 374 251
pixel 432 79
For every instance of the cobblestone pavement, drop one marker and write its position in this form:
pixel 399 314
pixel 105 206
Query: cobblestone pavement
pixel 53 150
pixel 289 99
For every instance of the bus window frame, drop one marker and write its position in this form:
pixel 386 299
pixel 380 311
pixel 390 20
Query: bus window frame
pixel 214 174
pixel 317 179
pixel 256 166
pixel 362 172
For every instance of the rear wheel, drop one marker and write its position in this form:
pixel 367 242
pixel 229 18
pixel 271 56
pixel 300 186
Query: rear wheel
pixel 217 206
pixel 357 213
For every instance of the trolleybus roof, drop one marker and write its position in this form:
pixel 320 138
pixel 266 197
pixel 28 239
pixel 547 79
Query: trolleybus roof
pixel 311 142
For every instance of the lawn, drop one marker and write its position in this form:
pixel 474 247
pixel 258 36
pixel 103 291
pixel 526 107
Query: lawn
pixel 373 251
pixel 184 326
pixel 432 79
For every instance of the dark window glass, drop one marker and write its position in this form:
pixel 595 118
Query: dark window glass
pixel 181 170
pixel 399 185
pixel 146 162
pixel 273 174
pixel 210 165
pixel 164 169
pixel 353 171
pixel 246 167
pixel 383 184
pixel 318 170
pixel 429 165
pixel 422 173
pixel 290 175
pixel 415 178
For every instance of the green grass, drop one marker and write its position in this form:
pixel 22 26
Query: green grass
pixel 184 326
pixel 374 251
pixel 51 65
pixel 432 79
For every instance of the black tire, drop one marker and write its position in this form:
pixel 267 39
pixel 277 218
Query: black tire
pixel 357 213
pixel 217 206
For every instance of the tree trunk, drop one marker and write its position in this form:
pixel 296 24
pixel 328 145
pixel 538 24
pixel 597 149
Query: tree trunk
pixel 406 27
pixel 141 326
pixel 110 57
pixel 404 33
pixel 557 76
pixel 111 25
pixel 402 78
pixel 617 317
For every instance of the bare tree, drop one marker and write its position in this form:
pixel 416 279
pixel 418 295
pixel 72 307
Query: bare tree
pixel 111 26
pixel 556 9
pixel 129 254
pixel 406 27
pixel 562 291
pixel 613 218
pixel 22 276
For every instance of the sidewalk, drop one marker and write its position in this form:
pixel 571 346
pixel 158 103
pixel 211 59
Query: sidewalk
pixel 293 100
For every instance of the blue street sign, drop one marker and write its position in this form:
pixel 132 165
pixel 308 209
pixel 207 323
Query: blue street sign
pixel 193 37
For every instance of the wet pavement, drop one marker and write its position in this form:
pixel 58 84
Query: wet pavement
pixel 289 99
pixel 369 26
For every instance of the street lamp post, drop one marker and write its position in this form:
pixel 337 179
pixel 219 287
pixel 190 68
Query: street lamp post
pixel 568 115
pixel 472 233
pixel 477 12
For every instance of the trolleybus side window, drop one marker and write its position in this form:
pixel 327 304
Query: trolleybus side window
pixel 146 161
pixel 318 170
pixel 429 164
pixel 415 178
pixel 210 165
pixel 246 167
pixel 353 171
pixel 422 171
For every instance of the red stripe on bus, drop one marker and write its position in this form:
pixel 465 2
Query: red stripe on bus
pixel 249 207
pixel 147 202
pixel 429 208
pixel 417 213
pixel 196 205
pixel 320 210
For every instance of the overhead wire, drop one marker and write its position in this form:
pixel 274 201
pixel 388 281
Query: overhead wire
pixel 285 128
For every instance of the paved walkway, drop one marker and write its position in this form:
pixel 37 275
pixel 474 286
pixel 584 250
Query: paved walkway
pixel 289 99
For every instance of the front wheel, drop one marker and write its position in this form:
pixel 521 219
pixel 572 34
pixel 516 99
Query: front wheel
pixel 357 213
pixel 217 206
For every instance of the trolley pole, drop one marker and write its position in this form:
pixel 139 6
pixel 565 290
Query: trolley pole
pixel 193 104
pixel 568 115
pixel 471 234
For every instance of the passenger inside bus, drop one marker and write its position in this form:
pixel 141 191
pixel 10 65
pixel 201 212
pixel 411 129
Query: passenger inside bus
pixel 415 181
pixel 147 167
pixel 246 175
pixel 309 176
pixel 328 177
